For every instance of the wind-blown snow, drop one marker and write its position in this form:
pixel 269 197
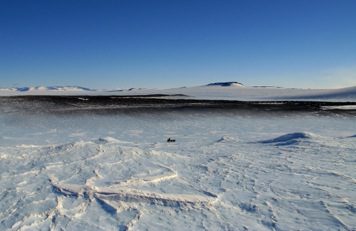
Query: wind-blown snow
pixel 226 171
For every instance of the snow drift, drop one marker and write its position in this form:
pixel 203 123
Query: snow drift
pixel 288 139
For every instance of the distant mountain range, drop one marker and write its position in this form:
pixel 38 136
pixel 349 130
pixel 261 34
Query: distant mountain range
pixel 78 88
pixel 220 90
pixel 43 88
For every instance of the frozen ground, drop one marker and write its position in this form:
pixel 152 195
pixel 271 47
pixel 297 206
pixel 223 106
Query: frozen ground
pixel 228 170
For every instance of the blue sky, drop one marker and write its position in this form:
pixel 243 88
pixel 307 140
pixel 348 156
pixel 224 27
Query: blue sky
pixel 165 43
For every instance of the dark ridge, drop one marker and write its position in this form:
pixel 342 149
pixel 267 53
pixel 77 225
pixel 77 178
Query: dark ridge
pixel 37 104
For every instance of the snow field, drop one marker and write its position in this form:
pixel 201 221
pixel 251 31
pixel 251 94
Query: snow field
pixel 226 171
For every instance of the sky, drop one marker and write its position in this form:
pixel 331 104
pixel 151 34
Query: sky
pixel 118 44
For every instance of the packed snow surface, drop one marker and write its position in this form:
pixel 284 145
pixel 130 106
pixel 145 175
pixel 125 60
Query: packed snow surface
pixel 227 170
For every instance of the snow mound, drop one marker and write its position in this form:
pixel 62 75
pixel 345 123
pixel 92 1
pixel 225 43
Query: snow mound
pixel 226 139
pixel 226 84
pixel 353 136
pixel 289 139
pixel 107 140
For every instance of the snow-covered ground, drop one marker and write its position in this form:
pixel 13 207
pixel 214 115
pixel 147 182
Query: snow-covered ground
pixel 226 170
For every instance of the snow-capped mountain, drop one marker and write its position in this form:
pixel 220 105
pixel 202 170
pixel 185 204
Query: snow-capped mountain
pixel 213 91
pixel 44 88
pixel 226 84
